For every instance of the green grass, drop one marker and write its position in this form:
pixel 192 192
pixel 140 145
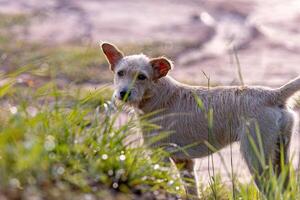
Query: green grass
pixel 67 143
pixel 62 148
pixel 56 139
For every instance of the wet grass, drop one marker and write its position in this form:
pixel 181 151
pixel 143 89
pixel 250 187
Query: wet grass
pixel 59 139
pixel 63 148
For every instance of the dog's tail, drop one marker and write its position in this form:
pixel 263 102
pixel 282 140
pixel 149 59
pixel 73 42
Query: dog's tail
pixel 287 90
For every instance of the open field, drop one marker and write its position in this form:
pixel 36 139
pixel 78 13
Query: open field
pixel 49 52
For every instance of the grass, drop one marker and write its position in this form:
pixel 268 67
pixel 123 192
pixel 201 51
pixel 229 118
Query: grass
pixel 61 140
pixel 63 149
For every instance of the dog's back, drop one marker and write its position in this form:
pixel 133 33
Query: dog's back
pixel 233 111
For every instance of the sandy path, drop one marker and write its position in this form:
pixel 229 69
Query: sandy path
pixel 268 45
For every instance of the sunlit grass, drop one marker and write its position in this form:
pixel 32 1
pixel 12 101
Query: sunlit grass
pixel 78 146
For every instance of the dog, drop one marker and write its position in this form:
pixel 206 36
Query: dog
pixel 205 116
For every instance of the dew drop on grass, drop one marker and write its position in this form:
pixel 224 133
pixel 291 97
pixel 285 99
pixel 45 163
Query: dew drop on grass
pixel 13 109
pixel 160 180
pixel 156 167
pixel 104 157
pixel 110 172
pixel 105 106
pixel 115 185
pixel 171 182
pixel 60 170
pixel 112 134
pixel 50 143
pixel 122 157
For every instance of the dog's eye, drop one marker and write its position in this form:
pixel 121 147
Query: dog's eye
pixel 141 77
pixel 120 73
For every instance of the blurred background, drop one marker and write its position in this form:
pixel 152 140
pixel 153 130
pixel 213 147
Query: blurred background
pixel 59 39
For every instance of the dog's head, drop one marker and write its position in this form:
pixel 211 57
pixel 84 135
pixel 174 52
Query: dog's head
pixel 134 75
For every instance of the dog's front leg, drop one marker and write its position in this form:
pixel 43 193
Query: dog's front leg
pixel 186 169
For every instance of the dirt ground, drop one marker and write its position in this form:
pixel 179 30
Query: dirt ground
pixel 266 35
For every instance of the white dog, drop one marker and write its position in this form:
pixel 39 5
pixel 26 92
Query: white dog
pixel 237 113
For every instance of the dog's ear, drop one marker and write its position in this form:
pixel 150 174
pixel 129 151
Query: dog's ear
pixel 112 53
pixel 161 67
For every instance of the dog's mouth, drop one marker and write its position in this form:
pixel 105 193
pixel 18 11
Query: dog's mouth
pixel 128 101
pixel 123 99
pixel 130 98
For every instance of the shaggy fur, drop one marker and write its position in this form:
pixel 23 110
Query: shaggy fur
pixel 196 115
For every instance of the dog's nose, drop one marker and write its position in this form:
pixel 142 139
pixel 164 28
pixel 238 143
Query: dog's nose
pixel 123 93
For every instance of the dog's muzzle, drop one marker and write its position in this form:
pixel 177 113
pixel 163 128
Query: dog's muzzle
pixel 124 95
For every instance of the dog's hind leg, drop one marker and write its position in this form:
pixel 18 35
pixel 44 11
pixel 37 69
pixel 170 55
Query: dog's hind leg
pixel 281 155
pixel 264 145
pixel 186 169
pixel 258 144
pixel 281 158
